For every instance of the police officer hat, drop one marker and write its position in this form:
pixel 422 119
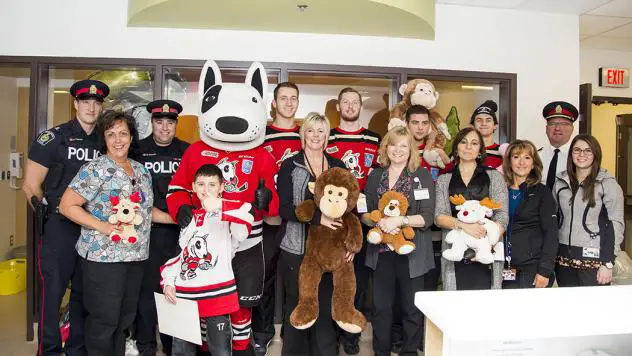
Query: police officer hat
pixel 89 89
pixel 560 109
pixel 164 108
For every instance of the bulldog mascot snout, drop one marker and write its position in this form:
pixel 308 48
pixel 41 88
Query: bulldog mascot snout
pixel 232 121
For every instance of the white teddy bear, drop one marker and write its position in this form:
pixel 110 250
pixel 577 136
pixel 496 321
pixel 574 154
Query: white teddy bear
pixel 125 214
pixel 470 212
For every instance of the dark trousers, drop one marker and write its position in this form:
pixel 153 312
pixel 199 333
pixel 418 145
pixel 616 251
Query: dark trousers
pixel 218 339
pixel 575 277
pixel 362 273
pixel 320 338
pixel 263 314
pixel 525 275
pixel 163 246
pixel 59 265
pixel 392 276
pixel 472 275
pixel 110 295
pixel 431 283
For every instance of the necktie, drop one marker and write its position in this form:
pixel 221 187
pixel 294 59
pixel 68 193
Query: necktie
pixel 550 176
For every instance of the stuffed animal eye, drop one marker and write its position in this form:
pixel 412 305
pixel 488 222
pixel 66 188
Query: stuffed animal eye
pixel 254 100
pixel 339 194
pixel 330 192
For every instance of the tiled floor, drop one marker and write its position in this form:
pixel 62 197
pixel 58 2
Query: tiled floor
pixel 13 331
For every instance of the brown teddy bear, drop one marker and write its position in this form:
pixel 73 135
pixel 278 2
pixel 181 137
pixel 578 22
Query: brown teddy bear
pixel 336 193
pixel 392 204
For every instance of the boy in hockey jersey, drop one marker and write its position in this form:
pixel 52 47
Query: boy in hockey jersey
pixel 203 271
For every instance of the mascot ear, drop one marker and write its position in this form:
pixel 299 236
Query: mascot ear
pixel 209 76
pixel 436 95
pixel 402 89
pixel 258 79
pixel 311 186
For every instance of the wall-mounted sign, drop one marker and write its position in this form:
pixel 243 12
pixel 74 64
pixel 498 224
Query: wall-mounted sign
pixel 614 77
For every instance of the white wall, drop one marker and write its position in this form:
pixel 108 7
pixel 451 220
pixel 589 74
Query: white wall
pixel 543 49
pixel 592 59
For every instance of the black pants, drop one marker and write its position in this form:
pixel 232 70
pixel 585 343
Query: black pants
pixel 575 277
pixel 263 314
pixel 320 338
pixel 218 339
pixel 163 246
pixel 392 276
pixel 472 275
pixel 59 265
pixel 525 275
pixel 362 273
pixel 111 297
pixel 431 283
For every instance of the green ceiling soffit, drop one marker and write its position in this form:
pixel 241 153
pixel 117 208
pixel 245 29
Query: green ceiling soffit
pixel 388 18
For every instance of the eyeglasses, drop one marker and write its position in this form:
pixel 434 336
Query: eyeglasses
pixel 560 124
pixel 586 151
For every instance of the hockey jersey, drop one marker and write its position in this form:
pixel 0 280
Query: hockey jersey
pixel 282 143
pixel 358 151
pixel 203 271
pixel 241 171
pixel 493 159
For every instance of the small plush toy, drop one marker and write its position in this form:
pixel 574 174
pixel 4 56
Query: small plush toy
pixel 473 211
pixel 392 204
pixel 125 215
pixel 336 193
pixel 422 92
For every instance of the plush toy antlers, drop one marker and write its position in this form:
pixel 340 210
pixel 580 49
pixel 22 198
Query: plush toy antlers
pixel 492 204
pixel 457 199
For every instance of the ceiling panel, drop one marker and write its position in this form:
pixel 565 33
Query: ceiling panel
pixel 505 4
pixel 608 43
pixel 562 6
pixel 621 8
pixel 591 25
pixel 621 32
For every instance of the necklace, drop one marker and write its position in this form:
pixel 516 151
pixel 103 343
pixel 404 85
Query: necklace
pixel 515 194
pixel 322 165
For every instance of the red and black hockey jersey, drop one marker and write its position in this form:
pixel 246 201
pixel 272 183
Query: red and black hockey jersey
pixel 358 151
pixel 493 159
pixel 203 270
pixel 241 171
pixel 282 143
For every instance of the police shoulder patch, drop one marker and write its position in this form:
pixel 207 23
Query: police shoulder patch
pixel 45 137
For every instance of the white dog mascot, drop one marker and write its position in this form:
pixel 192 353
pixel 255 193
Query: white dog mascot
pixel 471 212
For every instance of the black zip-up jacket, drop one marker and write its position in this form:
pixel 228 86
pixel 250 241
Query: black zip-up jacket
pixel 534 229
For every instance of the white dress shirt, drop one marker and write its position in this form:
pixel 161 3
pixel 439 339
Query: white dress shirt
pixel 546 155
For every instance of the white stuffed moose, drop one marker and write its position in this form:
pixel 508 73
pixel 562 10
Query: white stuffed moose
pixel 470 212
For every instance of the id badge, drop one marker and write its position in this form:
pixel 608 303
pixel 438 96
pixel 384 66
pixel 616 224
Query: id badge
pixel 509 274
pixel 361 205
pixel 422 194
pixel 590 252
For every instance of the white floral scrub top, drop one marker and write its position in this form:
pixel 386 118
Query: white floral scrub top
pixel 96 181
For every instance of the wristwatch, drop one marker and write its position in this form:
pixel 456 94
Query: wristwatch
pixel 405 221
pixel 609 265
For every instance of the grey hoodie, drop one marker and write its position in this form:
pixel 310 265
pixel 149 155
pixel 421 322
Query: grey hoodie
pixel 578 221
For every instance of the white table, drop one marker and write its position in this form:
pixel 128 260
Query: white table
pixel 533 322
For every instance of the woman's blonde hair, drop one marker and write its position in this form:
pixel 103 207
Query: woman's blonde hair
pixel 310 120
pixel 518 147
pixel 390 138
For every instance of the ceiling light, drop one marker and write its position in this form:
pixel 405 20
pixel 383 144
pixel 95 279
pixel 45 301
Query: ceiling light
pixel 60 91
pixel 477 87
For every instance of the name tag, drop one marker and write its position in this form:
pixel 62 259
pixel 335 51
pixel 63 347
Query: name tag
pixel 590 252
pixel 422 194
pixel 361 205
pixel 509 274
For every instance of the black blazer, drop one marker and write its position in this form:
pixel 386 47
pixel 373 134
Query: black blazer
pixel 534 230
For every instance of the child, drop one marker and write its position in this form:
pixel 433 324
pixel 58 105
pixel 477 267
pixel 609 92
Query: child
pixel 203 271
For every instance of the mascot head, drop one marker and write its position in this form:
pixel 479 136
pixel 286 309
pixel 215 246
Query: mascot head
pixel 232 115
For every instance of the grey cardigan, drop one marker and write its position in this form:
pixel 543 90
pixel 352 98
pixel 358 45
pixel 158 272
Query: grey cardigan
pixel 421 260
pixel 497 192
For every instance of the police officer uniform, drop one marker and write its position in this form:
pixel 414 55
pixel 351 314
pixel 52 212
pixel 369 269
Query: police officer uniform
pixel 63 150
pixel 554 158
pixel 162 162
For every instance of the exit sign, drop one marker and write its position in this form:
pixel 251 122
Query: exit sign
pixel 614 77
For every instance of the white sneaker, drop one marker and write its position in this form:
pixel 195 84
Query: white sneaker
pixel 130 348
